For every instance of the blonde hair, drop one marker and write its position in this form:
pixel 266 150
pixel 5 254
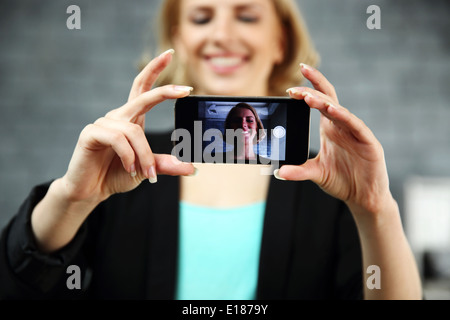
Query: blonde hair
pixel 298 47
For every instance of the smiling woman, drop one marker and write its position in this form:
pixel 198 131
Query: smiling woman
pixel 215 231
pixel 229 48
pixel 245 122
pixel 250 47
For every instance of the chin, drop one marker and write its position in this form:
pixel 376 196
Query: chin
pixel 231 92
pixel 223 90
pixel 233 86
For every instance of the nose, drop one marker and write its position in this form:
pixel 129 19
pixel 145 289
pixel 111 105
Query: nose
pixel 223 31
pixel 244 124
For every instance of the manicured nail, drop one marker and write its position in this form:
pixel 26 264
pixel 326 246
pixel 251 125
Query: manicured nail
pixel 183 88
pixel 171 51
pixel 133 171
pixel 306 67
pixel 307 94
pixel 152 178
pixel 275 173
pixel 194 173
pixel 330 107
pixel 294 91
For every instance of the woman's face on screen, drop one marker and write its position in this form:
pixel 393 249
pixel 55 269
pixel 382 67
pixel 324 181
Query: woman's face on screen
pixel 244 119
pixel 229 46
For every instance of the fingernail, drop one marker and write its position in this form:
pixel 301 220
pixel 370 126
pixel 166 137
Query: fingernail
pixel 133 171
pixel 306 67
pixel 171 51
pixel 307 94
pixel 183 88
pixel 152 178
pixel 275 173
pixel 294 90
pixel 194 173
pixel 330 107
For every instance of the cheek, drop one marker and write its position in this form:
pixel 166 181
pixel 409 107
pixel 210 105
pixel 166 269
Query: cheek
pixel 191 42
pixel 266 45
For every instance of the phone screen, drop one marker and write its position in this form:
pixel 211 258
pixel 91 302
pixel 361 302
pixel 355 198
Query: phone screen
pixel 239 129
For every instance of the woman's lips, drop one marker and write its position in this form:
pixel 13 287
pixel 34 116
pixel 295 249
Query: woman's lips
pixel 225 64
pixel 245 133
pixel 240 131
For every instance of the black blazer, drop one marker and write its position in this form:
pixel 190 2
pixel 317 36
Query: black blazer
pixel 127 248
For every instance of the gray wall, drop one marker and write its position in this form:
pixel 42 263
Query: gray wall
pixel 54 81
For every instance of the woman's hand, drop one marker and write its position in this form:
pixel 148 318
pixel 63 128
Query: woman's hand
pixel 112 154
pixel 350 164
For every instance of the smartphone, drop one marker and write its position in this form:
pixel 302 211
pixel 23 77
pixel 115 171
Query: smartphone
pixel 241 130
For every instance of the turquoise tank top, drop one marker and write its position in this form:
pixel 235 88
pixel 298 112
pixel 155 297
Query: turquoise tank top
pixel 219 252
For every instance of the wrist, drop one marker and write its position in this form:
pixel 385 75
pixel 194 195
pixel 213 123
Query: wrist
pixel 57 217
pixel 71 196
pixel 382 212
pixel 68 203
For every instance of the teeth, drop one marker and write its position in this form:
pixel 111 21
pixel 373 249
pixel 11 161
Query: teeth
pixel 226 61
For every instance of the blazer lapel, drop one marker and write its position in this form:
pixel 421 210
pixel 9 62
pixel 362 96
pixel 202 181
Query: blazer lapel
pixel 277 239
pixel 163 239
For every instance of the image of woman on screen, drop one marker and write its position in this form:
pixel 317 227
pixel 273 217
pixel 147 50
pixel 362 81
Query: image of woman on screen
pixel 243 130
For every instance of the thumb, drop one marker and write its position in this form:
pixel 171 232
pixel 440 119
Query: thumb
pixel 307 171
pixel 169 165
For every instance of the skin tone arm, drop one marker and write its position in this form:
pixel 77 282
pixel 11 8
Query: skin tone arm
pixel 112 155
pixel 351 166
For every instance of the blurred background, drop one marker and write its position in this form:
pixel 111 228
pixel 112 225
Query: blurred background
pixel 54 81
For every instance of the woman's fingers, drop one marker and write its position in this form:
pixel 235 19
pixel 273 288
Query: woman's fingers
pixel 302 92
pixel 319 82
pixel 97 138
pixel 342 118
pixel 137 140
pixel 147 77
pixel 142 98
pixel 337 114
pixel 118 140
pixel 324 99
pixel 128 141
pixel 147 100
